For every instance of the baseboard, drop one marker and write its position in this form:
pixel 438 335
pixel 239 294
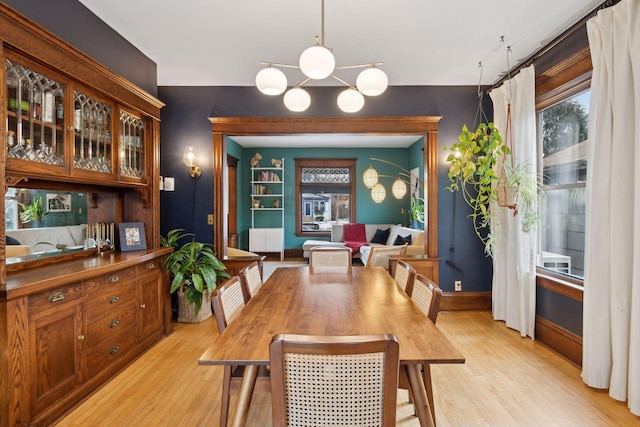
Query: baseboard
pixel 293 253
pixel 457 301
pixel 559 339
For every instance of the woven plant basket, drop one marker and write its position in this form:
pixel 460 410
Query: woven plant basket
pixel 186 309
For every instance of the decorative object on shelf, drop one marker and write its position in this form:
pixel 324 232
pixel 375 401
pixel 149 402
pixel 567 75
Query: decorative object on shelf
pixel 194 270
pixel 132 236
pixel 33 213
pixel 256 204
pixel 276 162
pixel 255 160
pixel 317 63
pixel 276 203
pixel 190 158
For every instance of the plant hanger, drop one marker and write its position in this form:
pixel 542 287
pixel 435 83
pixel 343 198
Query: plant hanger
pixel 508 191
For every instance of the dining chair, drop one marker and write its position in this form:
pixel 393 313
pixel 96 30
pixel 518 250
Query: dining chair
pixel 379 255
pixel 334 380
pixel 320 256
pixel 251 279
pixel 404 274
pixel 426 295
pixel 228 300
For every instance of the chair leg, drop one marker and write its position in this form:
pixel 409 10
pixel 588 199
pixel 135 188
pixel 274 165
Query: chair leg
pixel 224 405
pixel 426 375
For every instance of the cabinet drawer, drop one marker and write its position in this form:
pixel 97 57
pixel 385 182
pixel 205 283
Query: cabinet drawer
pixel 54 297
pixel 102 354
pixel 112 325
pixel 113 279
pixel 149 266
pixel 110 300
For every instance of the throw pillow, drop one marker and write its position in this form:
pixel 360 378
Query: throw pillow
pixel 381 236
pixel 402 240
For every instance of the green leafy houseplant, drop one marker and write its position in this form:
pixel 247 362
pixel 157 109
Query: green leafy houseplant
pixel 416 213
pixel 474 160
pixel 33 212
pixel 194 268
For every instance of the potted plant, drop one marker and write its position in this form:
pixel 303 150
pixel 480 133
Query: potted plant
pixel 33 213
pixel 416 213
pixel 474 161
pixel 194 270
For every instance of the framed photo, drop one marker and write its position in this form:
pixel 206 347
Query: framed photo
pixel 132 237
pixel 59 202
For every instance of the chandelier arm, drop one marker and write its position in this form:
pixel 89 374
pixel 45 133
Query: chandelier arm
pixel 342 81
pixel 303 82
pixel 322 24
pixel 275 64
pixel 369 64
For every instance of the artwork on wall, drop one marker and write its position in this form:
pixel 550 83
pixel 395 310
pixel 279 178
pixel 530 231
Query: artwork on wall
pixel 59 202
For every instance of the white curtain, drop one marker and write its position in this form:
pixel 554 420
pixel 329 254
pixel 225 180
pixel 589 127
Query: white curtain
pixel 611 327
pixel 514 261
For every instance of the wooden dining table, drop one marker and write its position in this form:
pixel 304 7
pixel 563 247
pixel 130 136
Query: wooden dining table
pixel 330 301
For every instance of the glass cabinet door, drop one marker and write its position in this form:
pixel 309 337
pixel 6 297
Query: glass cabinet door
pixel 131 146
pixel 35 116
pixel 92 123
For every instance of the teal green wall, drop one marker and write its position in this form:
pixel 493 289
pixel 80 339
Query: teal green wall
pixel 367 211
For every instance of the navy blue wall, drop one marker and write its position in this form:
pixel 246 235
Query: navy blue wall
pixel 184 122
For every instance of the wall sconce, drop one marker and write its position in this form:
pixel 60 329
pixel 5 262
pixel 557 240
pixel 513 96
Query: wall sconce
pixel 190 158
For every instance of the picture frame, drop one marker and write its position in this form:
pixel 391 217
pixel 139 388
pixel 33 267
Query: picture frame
pixel 60 202
pixel 132 236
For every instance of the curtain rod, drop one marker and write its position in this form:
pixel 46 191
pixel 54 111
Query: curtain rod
pixel 554 42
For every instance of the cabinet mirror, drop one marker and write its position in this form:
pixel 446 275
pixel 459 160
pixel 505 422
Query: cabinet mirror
pixel 42 223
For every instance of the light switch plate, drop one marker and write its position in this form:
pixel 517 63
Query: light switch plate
pixel 169 183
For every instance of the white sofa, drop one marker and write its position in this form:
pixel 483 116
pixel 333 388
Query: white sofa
pixel 70 235
pixel 337 239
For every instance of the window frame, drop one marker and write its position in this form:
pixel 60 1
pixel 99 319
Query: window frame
pixel 561 82
pixel 324 162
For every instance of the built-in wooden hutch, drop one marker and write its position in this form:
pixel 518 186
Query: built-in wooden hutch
pixel 70 319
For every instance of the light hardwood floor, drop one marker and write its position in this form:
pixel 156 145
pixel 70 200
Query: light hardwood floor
pixel 506 381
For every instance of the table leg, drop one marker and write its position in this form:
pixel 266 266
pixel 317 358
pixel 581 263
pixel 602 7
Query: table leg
pixel 244 397
pixel 419 395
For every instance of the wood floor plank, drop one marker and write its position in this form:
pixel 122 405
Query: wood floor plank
pixel 507 381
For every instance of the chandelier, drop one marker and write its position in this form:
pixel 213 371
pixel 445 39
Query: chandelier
pixel 318 63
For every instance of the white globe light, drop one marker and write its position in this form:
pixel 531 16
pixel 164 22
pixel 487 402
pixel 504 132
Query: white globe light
pixel 378 193
pixel 271 81
pixel 372 82
pixel 317 62
pixel 350 101
pixel 399 188
pixel 370 177
pixel 297 99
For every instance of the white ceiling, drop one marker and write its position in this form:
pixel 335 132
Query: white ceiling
pixel 420 42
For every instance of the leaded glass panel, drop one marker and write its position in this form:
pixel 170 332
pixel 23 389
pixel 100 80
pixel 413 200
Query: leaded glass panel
pixel 92 128
pixel 131 145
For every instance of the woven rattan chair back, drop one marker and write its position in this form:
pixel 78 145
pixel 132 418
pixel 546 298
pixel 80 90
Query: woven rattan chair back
pixel 404 275
pixel 227 302
pixel 379 255
pixel 330 257
pixel 426 294
pixel 334 381
pixel 251 280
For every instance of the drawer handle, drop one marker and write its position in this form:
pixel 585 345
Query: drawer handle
pixel 56 297
pixel 114 323
pixel 143 305
pixel 114 299
pixel 81 337
pixel 114 278
pixel 114 349
pixel 151 266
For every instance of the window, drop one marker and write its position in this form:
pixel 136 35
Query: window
pixel 325 191
pixel 563 172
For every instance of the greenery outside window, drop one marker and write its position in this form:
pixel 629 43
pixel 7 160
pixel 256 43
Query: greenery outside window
pixel 563 131
pixel 325 192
